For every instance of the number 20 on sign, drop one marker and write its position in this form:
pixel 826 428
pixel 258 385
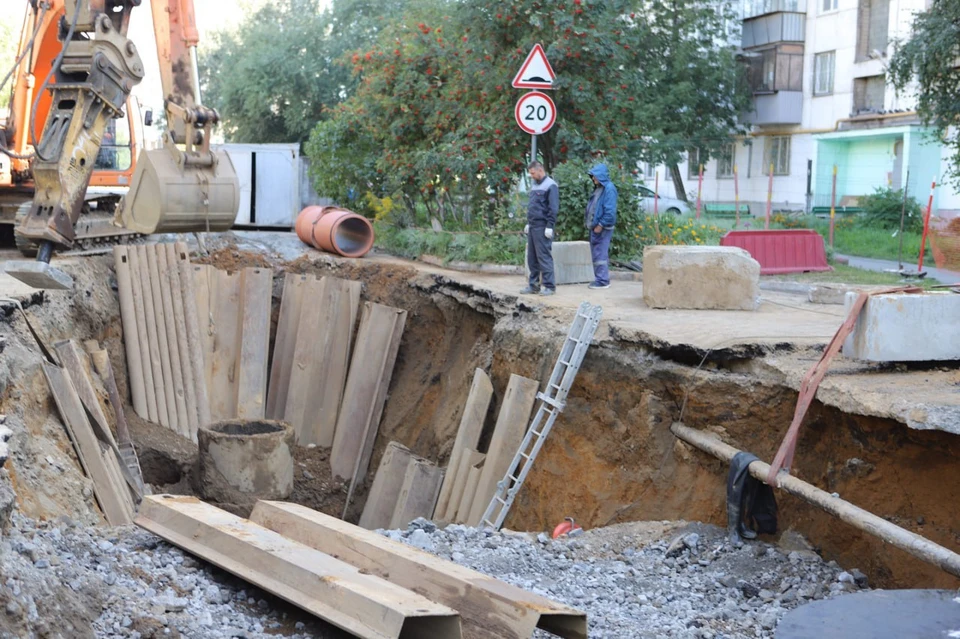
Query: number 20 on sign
pixel 535 113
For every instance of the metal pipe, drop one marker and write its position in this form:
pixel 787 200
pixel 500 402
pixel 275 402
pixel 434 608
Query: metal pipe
pixel 919 547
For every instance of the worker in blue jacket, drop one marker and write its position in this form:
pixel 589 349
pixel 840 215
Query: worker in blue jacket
pixel 600 218
pixel 541 219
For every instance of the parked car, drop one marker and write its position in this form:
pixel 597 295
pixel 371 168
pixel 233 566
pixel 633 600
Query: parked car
pixel 669 205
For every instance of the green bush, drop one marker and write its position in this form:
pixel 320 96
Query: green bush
pixel 882 210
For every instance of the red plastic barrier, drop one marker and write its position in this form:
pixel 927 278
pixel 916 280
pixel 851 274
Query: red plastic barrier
pixel 782 251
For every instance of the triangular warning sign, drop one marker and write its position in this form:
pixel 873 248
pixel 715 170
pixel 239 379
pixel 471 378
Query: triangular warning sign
pixel 536 72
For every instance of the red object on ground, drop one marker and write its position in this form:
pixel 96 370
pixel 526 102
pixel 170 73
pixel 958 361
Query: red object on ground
pixel 926 226
pixel 782 251
pixel 335 230
pixel 565 528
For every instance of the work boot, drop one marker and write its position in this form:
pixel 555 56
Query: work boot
pixel 596 285
pixel 548 291
pixel 530 291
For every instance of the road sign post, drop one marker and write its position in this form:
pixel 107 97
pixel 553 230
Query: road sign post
pixel 535 112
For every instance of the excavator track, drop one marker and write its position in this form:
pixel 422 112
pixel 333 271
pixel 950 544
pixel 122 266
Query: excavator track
pixel 96 232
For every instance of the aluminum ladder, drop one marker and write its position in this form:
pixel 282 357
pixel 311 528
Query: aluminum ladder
pixel 552 403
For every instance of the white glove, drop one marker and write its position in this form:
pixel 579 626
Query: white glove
pixel 549 234
pixel 526 229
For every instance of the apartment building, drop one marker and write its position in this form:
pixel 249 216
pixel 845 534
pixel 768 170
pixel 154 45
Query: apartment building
pixel 818 71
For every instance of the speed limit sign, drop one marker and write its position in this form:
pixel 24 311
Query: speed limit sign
pixel 535 113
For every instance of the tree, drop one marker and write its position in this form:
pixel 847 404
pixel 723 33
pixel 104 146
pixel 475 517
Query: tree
pixel 9 41
pixel 930 58
pixel 273 78
pixel 434 95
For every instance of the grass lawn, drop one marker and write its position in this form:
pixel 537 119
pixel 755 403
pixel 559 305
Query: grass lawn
pixel 843 274
pixel 852 238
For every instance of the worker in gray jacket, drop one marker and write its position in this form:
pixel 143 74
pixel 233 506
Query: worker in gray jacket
pixel 542 212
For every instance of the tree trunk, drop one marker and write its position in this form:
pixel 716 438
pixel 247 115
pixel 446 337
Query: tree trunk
pixel 678 183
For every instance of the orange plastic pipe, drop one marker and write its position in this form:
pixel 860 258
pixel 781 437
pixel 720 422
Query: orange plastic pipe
pixel 335 230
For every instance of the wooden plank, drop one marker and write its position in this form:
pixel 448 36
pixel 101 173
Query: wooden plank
pixel 340 300
pixel 113 497
pixel 226 343
pixel 285 344
pixel 508 434
pixel 371 369
pixel 489 608
pixel 468 459
pixel 169 293
pixel 161 312
pixel 152 338
pixel 131 339
pixel 468 436
pixel 205 291
pixel 77 365
pixel 256 286
pixel 469 492
pixel 418 495
pixel 361 604
pixel 195 343
pixel 378 511
pixel 146 355
pixel 306 357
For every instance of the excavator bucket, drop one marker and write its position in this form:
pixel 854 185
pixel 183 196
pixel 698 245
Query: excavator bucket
pixel 177 192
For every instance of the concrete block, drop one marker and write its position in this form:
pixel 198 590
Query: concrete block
pixel 572 263
pixel 902 327
pixel 700 277
pixel 378 510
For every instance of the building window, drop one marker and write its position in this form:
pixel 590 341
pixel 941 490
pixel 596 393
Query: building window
pixel 873 25
pixel 693 163
pixel 778 68
pixel 651 169
pixel 828 5
pixel 777 153
pixel 725 160
pixel 868 94
pixel 824 64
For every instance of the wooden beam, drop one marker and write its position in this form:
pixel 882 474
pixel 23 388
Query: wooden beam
pixel 182 356
pixel 255 303
pixel 97 459
pixel 468 436
pixel 161 312
pixel 362 604
pixel 468 459
pixel 508 434
pixel 469 492
pixel 285 344
pixel 193 313
pixel 131 340
pixel 489 608
pixel 378 511
pixel 175 334
pixel 225 308
pixel 418 494
pixel 146 352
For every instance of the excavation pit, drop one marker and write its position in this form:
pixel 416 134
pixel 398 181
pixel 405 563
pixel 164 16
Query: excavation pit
pixel 241 461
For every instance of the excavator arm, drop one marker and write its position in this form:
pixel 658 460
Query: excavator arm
pixel 183 187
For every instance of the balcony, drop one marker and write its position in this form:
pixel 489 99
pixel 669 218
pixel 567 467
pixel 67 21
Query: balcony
pixel 773 28
pixel 782 107
pixel 756 8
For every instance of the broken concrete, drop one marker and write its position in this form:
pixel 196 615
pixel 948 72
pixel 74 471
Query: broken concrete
pixel 903 327
pixel 700 278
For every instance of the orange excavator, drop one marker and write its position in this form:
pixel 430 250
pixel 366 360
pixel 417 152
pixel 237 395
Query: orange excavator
pixel 72 169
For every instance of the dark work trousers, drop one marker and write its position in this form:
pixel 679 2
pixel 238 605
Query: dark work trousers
pixel 540 258
pixel 599 252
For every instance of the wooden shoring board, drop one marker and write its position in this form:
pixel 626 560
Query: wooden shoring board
pixel 78 366
pixel 469 491
pixel 131 338
pixel 382 499
pixel 489 608
pixel 518 401
pixel 306 362
pixel 181 353
pixel 195 341
pixel 285 344
pixel 226 343
pixel 205 298
pixel 468 459
pixel 161 312
pixel 366 606
pixel 97 459
pixel 256 286
pixel 146 353
pixel 174 336
pixel 371 369
pixel 418 495
pixel 340 303
pixel 468 436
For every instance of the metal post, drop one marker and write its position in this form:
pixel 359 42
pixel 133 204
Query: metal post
pixel 926 226
pixel 833 203
pixel 809 186
pixel 766 224
pixel 699 191
pixel 736 195
pixel 656 194
pixel 533 148
pixel 903 214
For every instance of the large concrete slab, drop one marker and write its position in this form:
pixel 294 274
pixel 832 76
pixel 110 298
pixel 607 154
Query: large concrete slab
pixel 903 327
pixel 361 604
pixel 700 277
pixel 489 608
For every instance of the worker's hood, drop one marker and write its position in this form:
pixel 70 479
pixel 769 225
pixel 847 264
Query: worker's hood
pixel 601 173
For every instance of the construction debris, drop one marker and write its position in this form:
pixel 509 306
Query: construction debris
pixel 488 607
pixel 362 604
